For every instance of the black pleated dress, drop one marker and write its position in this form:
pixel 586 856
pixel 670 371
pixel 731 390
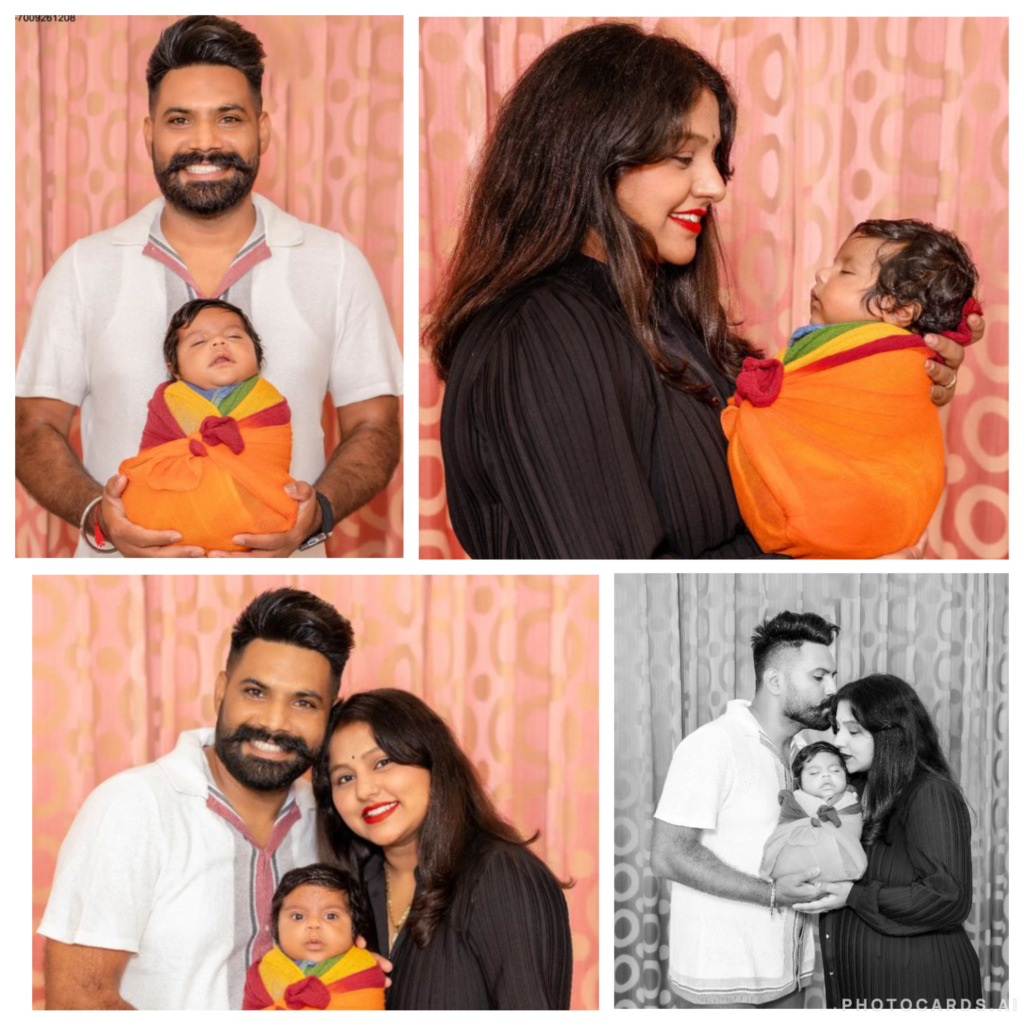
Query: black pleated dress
pixel 505 945
pixel 561 441
pixel 901 935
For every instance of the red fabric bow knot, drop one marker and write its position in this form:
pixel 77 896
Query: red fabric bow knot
pixel 760 381
pixel 963 333
pixel 218 430
pixel 308 992
pixel 826 813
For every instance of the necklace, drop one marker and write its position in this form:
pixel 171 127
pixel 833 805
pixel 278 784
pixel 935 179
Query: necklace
pixel 396 925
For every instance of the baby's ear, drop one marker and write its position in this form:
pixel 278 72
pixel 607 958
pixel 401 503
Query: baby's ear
pixel 900 316
pixel 170 370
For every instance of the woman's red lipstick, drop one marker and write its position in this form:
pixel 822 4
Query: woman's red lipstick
pixel 371 819
pixel 680 217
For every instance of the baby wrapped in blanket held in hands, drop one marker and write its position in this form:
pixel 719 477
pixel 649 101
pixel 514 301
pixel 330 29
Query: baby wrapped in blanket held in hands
pixel 217 446
pixel 835 448
pixel 820 822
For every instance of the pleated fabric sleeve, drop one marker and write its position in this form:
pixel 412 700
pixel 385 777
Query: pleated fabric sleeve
pixel 938 846
pixel 504 944
pixel 565 466
pixel 901 935
pixel 561 441
pixel 522 942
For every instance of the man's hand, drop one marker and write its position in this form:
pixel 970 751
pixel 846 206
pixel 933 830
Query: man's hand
pixel 952 354
pixel 382 962
pixel 136 541
pixel 835 896
pixel 281 545
pixel 796 888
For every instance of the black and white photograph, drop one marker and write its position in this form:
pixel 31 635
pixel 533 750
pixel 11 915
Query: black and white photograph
pixel 811 790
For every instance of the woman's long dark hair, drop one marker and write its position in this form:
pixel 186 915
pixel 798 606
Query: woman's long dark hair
pixel 593 105
pixel 906 743
pixel 409 732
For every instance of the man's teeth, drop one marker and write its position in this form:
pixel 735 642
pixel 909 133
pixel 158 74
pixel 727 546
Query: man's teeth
pixel 377 811
pixel 202 168
pixel 270 748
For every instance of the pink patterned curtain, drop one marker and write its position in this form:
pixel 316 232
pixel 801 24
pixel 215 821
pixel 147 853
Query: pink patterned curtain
pixel 123 664
pixel 841 119
pixel 333 88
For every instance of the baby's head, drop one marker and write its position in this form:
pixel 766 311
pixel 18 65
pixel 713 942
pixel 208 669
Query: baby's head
pixel 902 272
pixel 317 912
pixel 212 344
pixel 819 770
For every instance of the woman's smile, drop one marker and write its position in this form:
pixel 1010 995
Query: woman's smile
pixel 378 812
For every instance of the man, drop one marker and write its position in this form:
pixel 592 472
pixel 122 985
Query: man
pixel 164 883
pixel 733 942
pixel 94 340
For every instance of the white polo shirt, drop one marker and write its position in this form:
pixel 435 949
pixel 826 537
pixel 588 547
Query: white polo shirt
pixel 95 339
pixel 156 863
pixel 725 779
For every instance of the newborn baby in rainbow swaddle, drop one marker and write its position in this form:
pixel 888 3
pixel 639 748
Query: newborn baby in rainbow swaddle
pixel 820 822
pixel 835 448
pixel 315 963
pixel 217 446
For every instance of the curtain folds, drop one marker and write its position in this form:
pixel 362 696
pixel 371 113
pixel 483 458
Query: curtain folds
pixel 682 648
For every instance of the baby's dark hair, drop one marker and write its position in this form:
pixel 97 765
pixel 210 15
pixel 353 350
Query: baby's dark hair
pixel 925 265
pixel 325 876
pixel 811 751
pixel 186 316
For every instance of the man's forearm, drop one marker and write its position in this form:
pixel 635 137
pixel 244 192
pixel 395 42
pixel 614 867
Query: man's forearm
pixel 52 473
pixel 359 468
pixel 696 866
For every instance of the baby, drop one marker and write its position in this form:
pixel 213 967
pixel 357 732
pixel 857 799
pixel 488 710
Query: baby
pixel 315 964
pixel 214 457
pixel 820 822
pixel 835 448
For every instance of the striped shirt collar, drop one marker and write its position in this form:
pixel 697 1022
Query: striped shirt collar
pixel 254 251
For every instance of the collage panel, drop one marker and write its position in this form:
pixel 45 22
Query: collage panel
pixel 451 822
pixel 714 287
pixel 811 790
pixel 208 285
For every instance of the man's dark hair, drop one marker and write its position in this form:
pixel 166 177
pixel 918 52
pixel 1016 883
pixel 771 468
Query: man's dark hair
pixel 289 616
pixel 788 630
pixel 324 876
pixel 925 265
pixel 185 317
pixel 206 39
pixel 811 751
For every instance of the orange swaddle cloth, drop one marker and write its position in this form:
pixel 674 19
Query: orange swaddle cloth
pixel 211 473
pixel 835 448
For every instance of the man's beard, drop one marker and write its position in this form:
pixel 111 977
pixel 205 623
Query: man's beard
pixel 810 716
pixel 206 198
pixel 257 772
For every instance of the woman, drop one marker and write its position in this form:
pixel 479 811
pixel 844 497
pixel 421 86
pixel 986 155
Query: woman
pixel 469 917
pixel 900 934
pixel 579 330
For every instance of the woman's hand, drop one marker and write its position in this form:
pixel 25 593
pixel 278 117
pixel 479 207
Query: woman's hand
pixel 952 353
pixel 914 551
pixel 836 896
pixel 382 962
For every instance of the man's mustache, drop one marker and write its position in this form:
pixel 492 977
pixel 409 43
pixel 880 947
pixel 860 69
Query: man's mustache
pixel 293 744
pixel 180 161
